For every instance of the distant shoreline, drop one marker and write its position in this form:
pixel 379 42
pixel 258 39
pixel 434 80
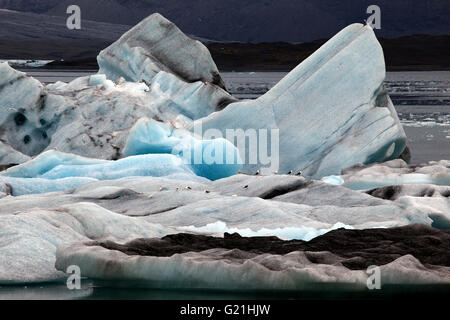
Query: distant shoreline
pixel 85 68
pixel 410 53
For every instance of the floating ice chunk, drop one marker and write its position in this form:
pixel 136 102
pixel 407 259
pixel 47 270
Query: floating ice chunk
pixel 26 63
pixel 331 111
pixel 212 159
pixel 150 201
pixel 289 233
pixel 230 269
pixel 396 172
pixel 240 203
pixel 213 269
pixel 154 45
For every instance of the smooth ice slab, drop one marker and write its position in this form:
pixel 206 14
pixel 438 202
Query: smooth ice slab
pixel 331 111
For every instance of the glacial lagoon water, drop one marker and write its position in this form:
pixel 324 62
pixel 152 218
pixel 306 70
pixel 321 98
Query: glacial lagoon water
pixel 91 290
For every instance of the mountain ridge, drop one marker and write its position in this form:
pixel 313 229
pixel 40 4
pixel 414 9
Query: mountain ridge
pixel 258 20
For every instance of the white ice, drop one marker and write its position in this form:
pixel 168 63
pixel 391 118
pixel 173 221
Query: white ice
pixel 155 45
pixel 331 111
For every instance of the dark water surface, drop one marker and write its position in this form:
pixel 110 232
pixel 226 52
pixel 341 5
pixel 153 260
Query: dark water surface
pixel 93 291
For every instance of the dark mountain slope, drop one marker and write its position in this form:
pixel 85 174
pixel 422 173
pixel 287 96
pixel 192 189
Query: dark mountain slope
pixel 259 20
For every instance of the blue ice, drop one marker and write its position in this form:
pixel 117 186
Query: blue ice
pixel 213 159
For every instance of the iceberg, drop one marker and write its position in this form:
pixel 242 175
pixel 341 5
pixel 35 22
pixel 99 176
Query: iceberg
pixel 155 45
pixel 331 111
pixel 106 161
pixel 92 116
pixel 396 172
pixel 184 261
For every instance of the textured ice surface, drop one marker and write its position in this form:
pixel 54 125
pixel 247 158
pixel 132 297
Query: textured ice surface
pixel 282 205
pixel 20 186
pixel 396 172
pixel 255 214
pixel 212 159
pixel 331 111
pixel 237 269
pixel 92 116
pixel 154 45
pixel 56 171
pixel 29 239
pixel 215 268
pixel 10 156
pixel 405 255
